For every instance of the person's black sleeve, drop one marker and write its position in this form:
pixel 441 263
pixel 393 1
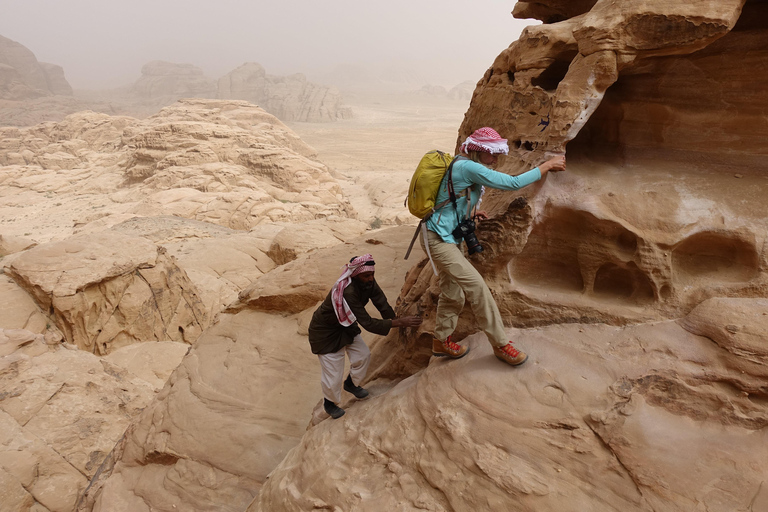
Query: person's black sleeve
pixel 370 324
pixel 380 301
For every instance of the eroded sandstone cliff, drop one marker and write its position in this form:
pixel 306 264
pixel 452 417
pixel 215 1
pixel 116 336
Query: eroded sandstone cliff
pixel 660 216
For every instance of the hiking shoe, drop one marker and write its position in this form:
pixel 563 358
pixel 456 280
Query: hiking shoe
pixel 510 355
pixel 332 409
pixel 448 348
pixel 358 391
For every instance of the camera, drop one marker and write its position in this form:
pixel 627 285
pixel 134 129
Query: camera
pixel 466 230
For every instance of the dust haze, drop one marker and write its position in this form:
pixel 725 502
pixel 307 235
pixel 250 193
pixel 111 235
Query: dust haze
pixel 104 44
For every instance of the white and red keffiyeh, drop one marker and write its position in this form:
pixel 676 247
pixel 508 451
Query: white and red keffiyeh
pixel 357 266
pixel 486 140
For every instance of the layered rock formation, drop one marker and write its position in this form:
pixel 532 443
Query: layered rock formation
pixel 125 239
pixel 659 217
pixel 105 291
pixel 224 162
pixel 290 98
pixel 23 77
pixel 241 398
pixel 166 82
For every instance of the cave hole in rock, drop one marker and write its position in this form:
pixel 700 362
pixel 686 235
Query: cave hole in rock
pixel 549 258
pixel 567 241
pixel 623 282
pixel 553 74
pixel 715 256
pixel 511 77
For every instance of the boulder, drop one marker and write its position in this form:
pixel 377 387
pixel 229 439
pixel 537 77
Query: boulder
pixel 108 290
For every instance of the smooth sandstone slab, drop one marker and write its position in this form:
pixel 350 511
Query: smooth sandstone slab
pixel 600 417
pixel 108 290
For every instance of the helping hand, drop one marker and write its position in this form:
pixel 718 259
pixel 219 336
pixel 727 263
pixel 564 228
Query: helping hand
pixel 406 321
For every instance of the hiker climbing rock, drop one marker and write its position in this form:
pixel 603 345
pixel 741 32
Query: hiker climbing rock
pixel 335 330
pixel 453 220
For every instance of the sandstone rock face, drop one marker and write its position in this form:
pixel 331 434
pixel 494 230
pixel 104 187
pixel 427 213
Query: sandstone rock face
pixel 660 216
pixel 243 395
pixel 23 77
pixel 212 436
pixel 169 82
pixel 601 418
pixel 61 412
pixel 655 213
pixel 223 162
pixel 290 98
pixel 105 291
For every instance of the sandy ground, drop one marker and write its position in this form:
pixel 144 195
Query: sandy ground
pixel 376 152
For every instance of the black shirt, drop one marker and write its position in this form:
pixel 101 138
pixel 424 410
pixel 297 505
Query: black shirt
pixel 327 335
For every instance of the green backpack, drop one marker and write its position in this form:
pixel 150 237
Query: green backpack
pixel 425 183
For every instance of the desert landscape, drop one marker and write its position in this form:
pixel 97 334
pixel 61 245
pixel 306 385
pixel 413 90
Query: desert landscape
pixel 163 246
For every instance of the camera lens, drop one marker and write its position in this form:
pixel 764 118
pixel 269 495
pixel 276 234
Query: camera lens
pixel 473 245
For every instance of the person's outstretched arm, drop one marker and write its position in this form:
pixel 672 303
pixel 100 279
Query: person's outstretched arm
pixel 478 173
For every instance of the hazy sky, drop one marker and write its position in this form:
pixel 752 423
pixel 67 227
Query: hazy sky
pixel 104 43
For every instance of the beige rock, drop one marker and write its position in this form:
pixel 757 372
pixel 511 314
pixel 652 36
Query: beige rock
pixel 61 412
pixel 223 162
pixel 600 418
pixel 13 244
pixel 151 362
pixel 169 81
pixel 212 436
pixel 294 240
pixel 108 290
pixel 22 76
pixel 253 376
pixel 289 98
pixel 740 327
pixel 18 310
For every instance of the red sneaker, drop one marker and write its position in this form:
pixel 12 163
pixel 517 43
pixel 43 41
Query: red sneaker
pixel 510 355
pixel 448 348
